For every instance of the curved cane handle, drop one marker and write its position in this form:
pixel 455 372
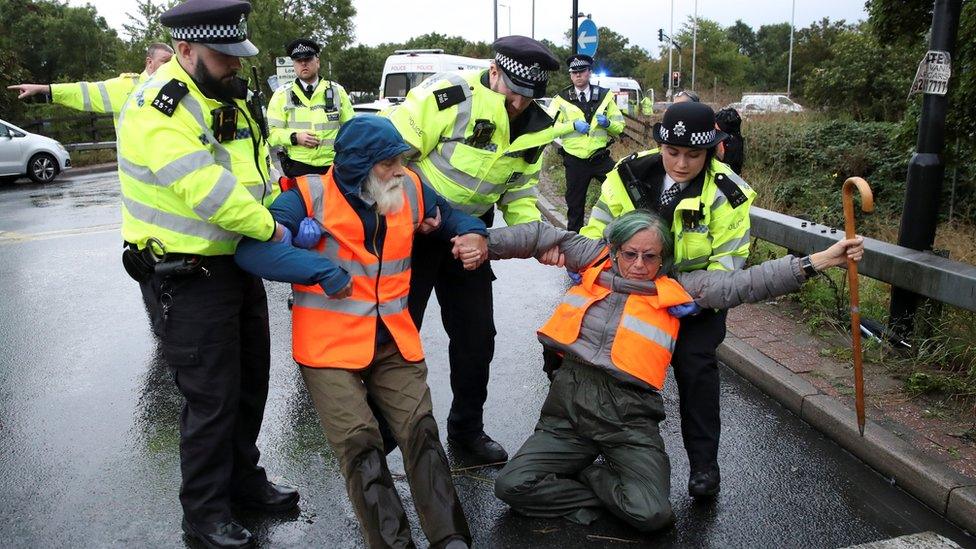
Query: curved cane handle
pixel 867 202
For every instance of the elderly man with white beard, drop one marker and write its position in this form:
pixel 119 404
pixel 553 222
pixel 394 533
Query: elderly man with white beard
pixel 352 334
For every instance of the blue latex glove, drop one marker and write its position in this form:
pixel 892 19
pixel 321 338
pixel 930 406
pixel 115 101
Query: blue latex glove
pixel 581 126
pixel 603 121
pixel 685 309
pixel 286 238
pixel 575 278
pixel 309 234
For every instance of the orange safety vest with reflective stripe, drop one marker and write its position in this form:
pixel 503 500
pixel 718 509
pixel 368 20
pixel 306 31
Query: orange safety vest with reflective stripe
pixel 646 332
pixel 341 333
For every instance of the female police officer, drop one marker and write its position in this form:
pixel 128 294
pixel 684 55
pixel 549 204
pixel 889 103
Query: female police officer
pixel 707 206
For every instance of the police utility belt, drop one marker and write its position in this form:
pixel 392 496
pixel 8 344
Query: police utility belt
pixel 153 260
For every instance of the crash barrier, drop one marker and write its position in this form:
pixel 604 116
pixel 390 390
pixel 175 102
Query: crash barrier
pixel 922 272
pixel 80 132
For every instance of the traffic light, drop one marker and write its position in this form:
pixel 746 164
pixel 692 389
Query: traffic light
pixel 664 80
pixel 660 35
pixel 675 80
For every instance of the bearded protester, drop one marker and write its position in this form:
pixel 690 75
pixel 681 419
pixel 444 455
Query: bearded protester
pixel 610 341
pixel 352 333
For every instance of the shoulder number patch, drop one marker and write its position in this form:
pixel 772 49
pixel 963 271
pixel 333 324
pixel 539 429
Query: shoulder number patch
pixel 731 191
pixel 448 97
pixel 169 97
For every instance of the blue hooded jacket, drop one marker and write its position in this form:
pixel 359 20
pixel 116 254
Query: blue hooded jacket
pixel 360 144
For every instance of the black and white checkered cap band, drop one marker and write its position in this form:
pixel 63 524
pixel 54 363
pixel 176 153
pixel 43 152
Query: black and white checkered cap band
pixel 212 33
pixel 699 138
pixel 303 49
pixel 578 65
pixel 664 132
pixel 533 74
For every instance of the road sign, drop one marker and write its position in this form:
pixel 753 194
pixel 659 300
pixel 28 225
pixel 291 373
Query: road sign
pixel 285 69
pixel 587 37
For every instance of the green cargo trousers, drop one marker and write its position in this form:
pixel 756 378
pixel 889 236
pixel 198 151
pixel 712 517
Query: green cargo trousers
pixel 589 413
pixel 399 389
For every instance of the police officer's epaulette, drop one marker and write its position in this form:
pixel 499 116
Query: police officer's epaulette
pixel 729 184
pixel 564 93
pixel 169 96
pixel 638 162
pixel 449 96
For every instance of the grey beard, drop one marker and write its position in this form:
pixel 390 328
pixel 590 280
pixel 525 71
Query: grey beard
pixel 388 195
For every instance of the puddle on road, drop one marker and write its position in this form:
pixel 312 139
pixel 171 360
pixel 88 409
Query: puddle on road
pixel 76 198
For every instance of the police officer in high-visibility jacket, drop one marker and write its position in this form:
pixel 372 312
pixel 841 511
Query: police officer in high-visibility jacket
pixel 586 153
pixel 304 115
pixel 106 96
pixel 707 205
pixel 480 138
pixel 193 167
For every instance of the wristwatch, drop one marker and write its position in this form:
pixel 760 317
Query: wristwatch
pixel 294 138
pixel 808 268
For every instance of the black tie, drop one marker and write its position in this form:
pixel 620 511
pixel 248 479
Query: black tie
pixel 309 89
pixel 582 97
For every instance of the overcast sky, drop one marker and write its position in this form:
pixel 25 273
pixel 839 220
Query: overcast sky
pixel 395 21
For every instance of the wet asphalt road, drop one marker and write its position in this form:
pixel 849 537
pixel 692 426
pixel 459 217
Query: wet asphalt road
pixel 88 416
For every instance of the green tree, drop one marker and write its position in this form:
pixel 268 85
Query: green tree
pixel 743 37
pixel 359 68
pixel 813 47
pixel 768 64
pixel 718 58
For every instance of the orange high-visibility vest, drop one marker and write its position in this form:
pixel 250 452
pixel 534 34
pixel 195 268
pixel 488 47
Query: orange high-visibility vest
pixel 646 332
pixel 341 333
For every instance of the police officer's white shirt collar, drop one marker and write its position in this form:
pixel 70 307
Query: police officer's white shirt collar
pixel 668 182
pixel 313 83
pixel 585 90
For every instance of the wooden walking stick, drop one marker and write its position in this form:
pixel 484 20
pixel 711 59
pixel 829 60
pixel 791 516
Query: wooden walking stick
pixel 867 205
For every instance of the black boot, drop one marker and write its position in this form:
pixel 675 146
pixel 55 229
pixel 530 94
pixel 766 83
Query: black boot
pixel 704 483
pixel 269 497
pixel 479 447
pixel 219 535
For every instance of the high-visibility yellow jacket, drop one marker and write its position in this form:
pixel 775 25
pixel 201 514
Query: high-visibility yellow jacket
pixel 321 115
pixel 179 185
pixel 585 145
pixel 106 96
pixel 439 118
pixel 711 219
pixel 646 106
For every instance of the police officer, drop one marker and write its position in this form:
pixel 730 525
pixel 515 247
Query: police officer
pixel 304 116
pixel 586 153
pixel 106 96
pixel 194 173
pixel 479 138
pixel 707 205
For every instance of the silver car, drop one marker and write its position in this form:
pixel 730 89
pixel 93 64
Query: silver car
pixel 21 152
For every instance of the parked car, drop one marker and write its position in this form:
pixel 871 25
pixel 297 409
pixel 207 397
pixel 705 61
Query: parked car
pixel 22 152
pixel 762 103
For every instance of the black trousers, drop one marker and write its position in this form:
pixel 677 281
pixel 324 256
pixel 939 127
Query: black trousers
pixel 214 333
pixel 696 372
pixel 579 173
pixel 294 168
pixel 467 313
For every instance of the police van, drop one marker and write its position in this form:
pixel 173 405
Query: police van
pixel 406 69
pixel 628 92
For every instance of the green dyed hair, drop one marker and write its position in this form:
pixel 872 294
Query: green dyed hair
pixel 624 228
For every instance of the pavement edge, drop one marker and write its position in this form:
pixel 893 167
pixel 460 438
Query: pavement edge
pixel 945 491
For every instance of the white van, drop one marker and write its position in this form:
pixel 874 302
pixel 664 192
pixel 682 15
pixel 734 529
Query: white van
pixel 405 69
pixel 628 91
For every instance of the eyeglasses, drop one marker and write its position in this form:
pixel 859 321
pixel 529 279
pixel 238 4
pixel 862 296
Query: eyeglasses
pixel 646 257
pixel 689 94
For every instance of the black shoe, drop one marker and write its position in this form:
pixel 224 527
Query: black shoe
pixel 479 447
pixel 705 483
pixel 219 535
pixel 269 497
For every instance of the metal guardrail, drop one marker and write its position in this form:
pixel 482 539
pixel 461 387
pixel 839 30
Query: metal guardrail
pixel 90 146
pixel 927 274
pixel 80 132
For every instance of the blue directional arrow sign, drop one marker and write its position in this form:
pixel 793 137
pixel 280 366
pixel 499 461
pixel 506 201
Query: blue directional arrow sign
pixel 587 37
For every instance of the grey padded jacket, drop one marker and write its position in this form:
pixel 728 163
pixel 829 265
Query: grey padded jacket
pixel 710 289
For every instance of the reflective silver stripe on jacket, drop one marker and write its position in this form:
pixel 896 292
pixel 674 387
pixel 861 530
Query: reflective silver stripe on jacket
pixel 574 300
pixel 106 100
pixel 86 103
pixel 276 123
pixel 601 212
pixel 349 306
pixel 648 331
pixel 218 194
pixel 176 223
pixel 733 245
pixel 170 173
pixel 512 196
pixel 460 121
pixel 469 182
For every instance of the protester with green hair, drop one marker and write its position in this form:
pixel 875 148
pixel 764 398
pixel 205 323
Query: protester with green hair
pixel 608 346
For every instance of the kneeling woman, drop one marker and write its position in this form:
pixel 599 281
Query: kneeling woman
pixel 615 335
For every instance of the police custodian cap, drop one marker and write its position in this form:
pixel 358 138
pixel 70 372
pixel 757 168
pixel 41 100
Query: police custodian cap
pixel 689 125
pixel 221 25
pixel 303 48
pixel 525 64
pixel 579 62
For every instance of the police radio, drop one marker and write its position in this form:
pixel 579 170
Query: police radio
pixel 256 104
